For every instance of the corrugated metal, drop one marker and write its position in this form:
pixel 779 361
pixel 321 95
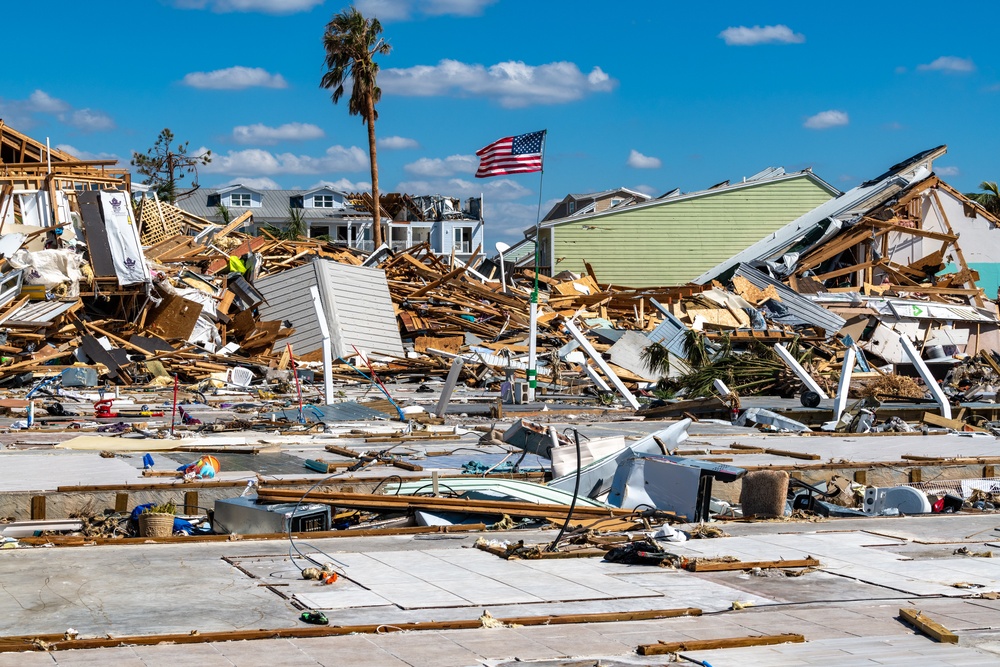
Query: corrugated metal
pixel 515 488
pixel 798 305
pixel 669 242
pixel 356 303
pixel 348 411
pixel 36 313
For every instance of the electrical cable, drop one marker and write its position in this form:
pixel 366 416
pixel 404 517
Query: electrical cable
pixel 576 493
pixel 291 542
pixel 402 417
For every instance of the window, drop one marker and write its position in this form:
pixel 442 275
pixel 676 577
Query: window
pixel 319 230
pixel 239 200
pixel 571 208
pixel 615 202
pixel 421 235
pixel 463 239
pixel 323 201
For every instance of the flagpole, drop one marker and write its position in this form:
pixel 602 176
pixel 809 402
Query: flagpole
pixel 533 308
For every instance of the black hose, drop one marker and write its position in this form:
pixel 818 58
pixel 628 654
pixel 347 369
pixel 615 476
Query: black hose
pixel 576 492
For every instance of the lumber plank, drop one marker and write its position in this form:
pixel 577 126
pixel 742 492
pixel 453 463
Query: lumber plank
pixel 663 648
pixel 695 566
pixel 51 642
pixel 928 626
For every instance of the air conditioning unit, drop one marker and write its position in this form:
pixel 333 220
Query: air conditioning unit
pixel 246 516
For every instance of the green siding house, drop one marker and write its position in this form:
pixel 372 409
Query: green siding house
pixel 672 240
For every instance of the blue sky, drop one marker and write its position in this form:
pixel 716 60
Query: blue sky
pixel 647 95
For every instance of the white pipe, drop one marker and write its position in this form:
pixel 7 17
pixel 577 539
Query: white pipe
pixel 840 404
pixel 925 374
pixel 533 348
pixel 324 330
pixel 603 365
pixel 800 372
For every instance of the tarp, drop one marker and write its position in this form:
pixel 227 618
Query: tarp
pixel 123 238
pixel 50 268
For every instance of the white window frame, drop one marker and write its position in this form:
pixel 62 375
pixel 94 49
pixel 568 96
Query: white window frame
pixel 463 239
pixel 324 201
pixel 243 197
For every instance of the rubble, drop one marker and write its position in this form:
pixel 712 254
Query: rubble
pixel 301 388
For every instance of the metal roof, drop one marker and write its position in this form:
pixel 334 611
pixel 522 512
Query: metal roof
pixel 797 305
pixel 275 205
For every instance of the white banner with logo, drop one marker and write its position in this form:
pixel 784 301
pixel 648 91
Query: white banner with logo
pixel 123 237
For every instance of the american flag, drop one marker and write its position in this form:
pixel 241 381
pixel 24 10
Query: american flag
pixel 511 155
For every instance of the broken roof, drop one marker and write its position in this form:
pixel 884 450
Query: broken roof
pixel 843 207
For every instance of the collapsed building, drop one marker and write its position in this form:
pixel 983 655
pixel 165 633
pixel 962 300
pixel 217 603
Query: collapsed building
pixel 326 390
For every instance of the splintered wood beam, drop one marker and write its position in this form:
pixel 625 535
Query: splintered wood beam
pixel 888 228
pixel 695 566
pixel 958 249
pixel 664 648
pixel 929 627
pixel 846 270
pixel 58 642
pixel 440 281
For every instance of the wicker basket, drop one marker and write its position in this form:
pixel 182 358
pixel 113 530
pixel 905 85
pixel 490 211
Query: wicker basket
pixel 154 524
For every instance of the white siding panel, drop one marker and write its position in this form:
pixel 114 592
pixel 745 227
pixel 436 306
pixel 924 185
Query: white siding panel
pixel 288 298
pixel 356 303
pixel 363 313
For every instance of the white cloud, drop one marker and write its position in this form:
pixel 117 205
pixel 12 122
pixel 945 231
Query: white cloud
pixel 263 6
pixel 495 189
pixel 22 113
pixel 86 155
pixel 893 126
pixel 259 162
pixel 947 171
pixel 260 183
pixel 826 119
pixel 637 160
pixel 343 185
pixel 402 10
pixel 768 34
pixel 949 64
pixel 397 143
pixel 646 189
pixel 511 83
pixel 42 102
pixel 438 168
pixel 90 120
pixel 506 221
pixel 235 78
pixel 258 133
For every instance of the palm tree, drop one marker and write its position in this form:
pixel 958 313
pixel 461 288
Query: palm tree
pixel 297 226
pixel 989 198
pixel 351 41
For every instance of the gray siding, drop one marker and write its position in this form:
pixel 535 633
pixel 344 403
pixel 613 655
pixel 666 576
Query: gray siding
pixel 288 298
pixel 356 303
pixel 362 309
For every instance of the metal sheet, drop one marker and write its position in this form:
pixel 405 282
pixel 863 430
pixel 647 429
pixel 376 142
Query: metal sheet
pixel 37 313
pixel 798 305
